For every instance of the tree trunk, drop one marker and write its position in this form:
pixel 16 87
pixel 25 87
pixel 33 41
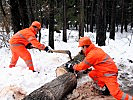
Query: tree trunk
pixel 122 18
pixel 5 18
pixel 132 16
pixel 24 13
pixel 51 24
pixel 126 16
pixel 30 10
pixel 101 23
pixel 64 21
pixel 56 89
pixel 87 2
pixel 92 17
pixel 39 38
pixel 109 12
pixel 81 24
pixel 15 16
pixel 112 29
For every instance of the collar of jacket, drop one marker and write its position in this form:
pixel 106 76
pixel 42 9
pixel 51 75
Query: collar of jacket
pixel 32 29
pixel 89 49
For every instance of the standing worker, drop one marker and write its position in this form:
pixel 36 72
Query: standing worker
pixel 21 40
pixel 105 71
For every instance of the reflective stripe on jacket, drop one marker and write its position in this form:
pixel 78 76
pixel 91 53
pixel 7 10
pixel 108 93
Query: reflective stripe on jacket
pixel 97 58
pixel 26 36
pixel 126 97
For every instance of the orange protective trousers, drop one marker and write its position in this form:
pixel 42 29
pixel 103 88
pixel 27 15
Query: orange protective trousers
pixel 21 51
pixel 111 83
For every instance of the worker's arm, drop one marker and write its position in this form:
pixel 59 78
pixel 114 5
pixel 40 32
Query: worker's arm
pixel 85 64
pixel 36 43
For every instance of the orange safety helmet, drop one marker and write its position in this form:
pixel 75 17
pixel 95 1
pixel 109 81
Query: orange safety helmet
pixel 37 24
pixel 84 41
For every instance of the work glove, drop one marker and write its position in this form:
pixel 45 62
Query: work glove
pixel 75 66
pixel 69 66
pixel 75 71
pixel 46 49
pixel 87 71
pixel 35 71
pixel 29 46
pixel 84 72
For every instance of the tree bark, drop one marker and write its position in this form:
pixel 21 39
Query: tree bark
pixel 101 23
pixel 56 89
pixel 113 17
pixel 24 13
pixel 30 10
pixel 126 16
pixel 64 21
pixel 92 15
pixel 15 16
pixel 122 18
pixel 87 2
pixel 5 18
pixel 51 24
pixel 81 24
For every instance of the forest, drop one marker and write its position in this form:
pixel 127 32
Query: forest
pixel 108 24
pixel 98 16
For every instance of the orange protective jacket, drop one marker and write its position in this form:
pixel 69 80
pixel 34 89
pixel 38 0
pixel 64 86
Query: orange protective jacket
pixel 97 58
pixel 25 36
pixel 105 72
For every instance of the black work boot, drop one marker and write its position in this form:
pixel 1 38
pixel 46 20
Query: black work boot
pixel 105 91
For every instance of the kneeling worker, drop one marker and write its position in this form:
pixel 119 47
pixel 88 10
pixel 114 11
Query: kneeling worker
pixel 105 71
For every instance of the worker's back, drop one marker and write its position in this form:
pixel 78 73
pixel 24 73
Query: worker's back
pixel 22 36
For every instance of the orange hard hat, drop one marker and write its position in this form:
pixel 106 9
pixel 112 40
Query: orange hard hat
pixel 37 24
pixel 84 41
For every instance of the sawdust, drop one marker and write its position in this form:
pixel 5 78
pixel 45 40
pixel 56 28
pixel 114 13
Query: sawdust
pixel 84 92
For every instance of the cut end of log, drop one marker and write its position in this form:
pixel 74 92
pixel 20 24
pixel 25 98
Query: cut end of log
pixel 60 71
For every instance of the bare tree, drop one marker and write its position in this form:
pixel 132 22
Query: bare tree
pixel 87 6
pixel 30 10
pixel 92 15
pixel 24 13
pixel 51 24
pixel 64 22
pixel 81 24
pixel 15 15
pixel 101 22
pixel 126 16
pixel 5 19
pixel 112 26
pixel 132 14
pixel 122 18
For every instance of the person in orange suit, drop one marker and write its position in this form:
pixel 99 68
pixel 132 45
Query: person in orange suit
pixel 105 71
pixel 21 40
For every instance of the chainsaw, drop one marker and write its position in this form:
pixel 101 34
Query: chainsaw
pixel 69 67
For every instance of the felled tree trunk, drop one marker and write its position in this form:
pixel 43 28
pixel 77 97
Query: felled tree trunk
pixel 56 89
pixel 64 69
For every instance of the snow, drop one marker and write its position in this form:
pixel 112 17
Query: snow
pixel 46 63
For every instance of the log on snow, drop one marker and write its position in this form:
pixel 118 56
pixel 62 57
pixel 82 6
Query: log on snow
pixel 56 89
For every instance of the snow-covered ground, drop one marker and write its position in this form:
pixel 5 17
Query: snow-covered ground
pixel 46 63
